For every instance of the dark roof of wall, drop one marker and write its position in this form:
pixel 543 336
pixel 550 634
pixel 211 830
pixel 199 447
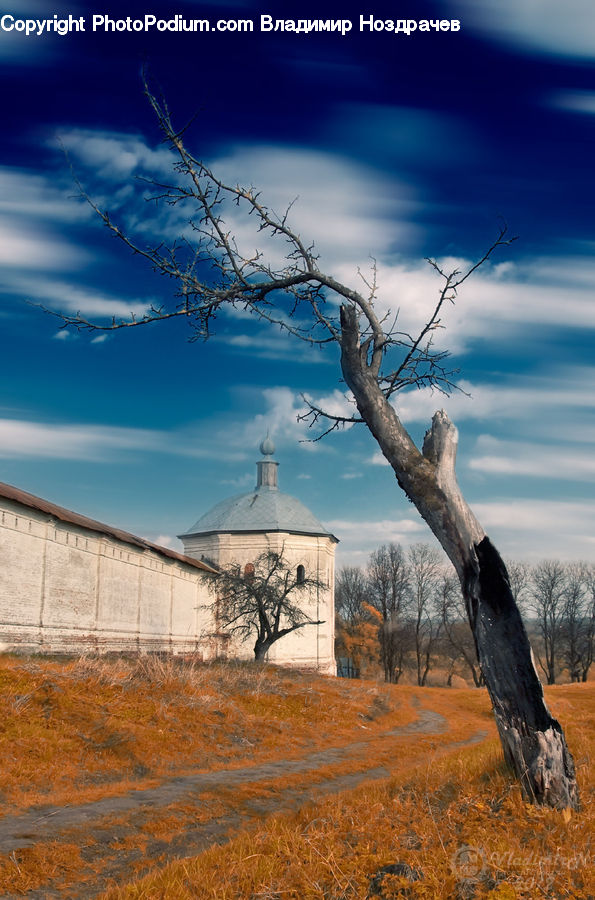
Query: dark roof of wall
pixel 72 518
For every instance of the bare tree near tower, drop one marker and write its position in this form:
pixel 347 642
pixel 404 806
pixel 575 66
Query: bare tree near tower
pixel 264 601
pixel 210 273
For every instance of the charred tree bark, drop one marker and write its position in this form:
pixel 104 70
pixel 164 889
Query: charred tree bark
pixel 533 741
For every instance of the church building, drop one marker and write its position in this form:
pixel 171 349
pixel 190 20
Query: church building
pixel 241 528
pixel 71 584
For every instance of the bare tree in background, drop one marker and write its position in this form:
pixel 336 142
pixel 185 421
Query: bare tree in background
pixel 210 272
pixel 389 592
pixel 548 587
pixel 574 620
pixel 578 621
pixel 519 575
pixel 353 629
pixel 424 576
pixel 351 592
pixel 588 636
pixel 266 599
pixel 455 627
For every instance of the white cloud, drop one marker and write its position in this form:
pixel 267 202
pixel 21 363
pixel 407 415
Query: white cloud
pixel 528 407
pixel 24 193
pixel 536 529
pixel 280 407
pixel 520 528
pixel 335 403
pixel 31 206
pixel 102 443
pixel 526 403
pixel 111 168
pixel 72 298
pixel 20 438
pixel 526 399
pixel 546 26
pixel 348 209
pixel 552 461
pixel 63 335
pixel 279 420
pixel 273 344
pixel 383 528
pixel 29 246
pixel 358 538
pixel 498 302
pixel 351 212
pixel 575 101
pixel 163 540
pixel 115 155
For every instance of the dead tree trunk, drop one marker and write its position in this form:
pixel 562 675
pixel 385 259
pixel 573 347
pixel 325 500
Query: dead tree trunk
pixel 532 740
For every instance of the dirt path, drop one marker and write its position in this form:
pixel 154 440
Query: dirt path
pixel 101 827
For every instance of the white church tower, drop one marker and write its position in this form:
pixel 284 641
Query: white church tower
pixel 241 528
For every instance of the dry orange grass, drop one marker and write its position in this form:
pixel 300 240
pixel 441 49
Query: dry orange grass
pixel 92 728
pixel 456 824
pixel 73 731
pixel 34 866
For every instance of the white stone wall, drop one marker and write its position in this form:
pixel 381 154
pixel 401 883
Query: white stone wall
pixel 311 646
pixel 63 587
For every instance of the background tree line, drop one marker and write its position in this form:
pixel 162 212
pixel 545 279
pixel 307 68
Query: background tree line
pixel 404 613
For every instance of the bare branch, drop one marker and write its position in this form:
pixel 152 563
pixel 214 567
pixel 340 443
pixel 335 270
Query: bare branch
pixel 211 274
pixel 265 600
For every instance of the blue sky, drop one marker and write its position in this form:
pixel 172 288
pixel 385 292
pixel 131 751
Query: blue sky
pixel 396 147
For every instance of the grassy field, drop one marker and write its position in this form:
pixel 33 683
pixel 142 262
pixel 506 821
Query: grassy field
pixel 80 729
pixel 447 821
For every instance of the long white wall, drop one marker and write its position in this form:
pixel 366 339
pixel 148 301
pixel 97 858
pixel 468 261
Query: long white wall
pixel 63 587
pixel 68 588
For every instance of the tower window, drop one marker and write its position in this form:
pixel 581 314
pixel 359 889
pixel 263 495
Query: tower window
pixel 249 570
pixel 301 574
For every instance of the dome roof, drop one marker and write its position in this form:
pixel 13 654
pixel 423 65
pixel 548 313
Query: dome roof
pixel 264 509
